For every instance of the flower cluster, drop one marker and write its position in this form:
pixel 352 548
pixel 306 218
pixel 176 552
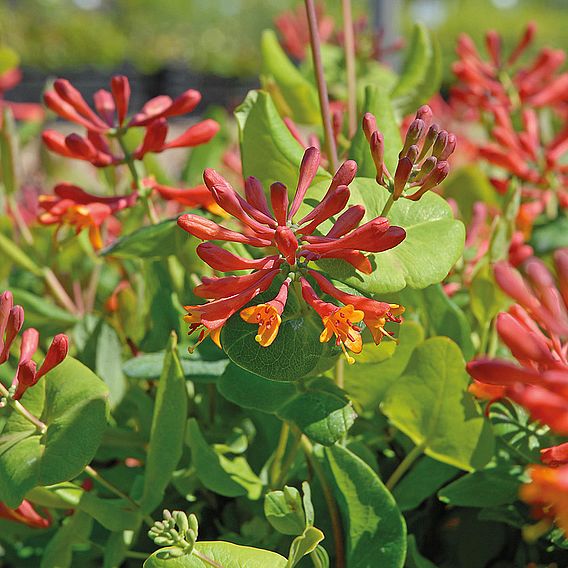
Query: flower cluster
pixel 109 123
pixel 291 245
pixel 535 329
pixel 484 84
pixel 27 374
pixel 423 160
pixel 73 206
pixel 104 145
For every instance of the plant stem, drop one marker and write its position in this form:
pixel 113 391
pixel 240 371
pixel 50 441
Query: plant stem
pixel 276 466
pixel 329 141
pixel 22 410
pixel 137 555
pixel 23 228
pixel 405 465
pixel 330 502
pixel 94 474
pixel 290 459
pixel 136 179
pixel 340 372
pixel 349 40
pixel 387 206
pixel 58 291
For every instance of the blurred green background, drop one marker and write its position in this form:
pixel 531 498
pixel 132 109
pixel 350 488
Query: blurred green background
pixel 222 36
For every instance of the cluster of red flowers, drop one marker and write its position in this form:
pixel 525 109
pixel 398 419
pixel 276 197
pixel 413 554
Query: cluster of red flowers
pixel 535 329
pixel 27 373
pixel 484 84
pixel 423 160
pixel 104 146
pixel 292 244
pixel 511 97
pixel 109 123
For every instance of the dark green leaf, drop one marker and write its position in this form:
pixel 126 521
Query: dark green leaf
pixel 376 532
pixel 75 530
pixel 284 511
pixel 304 544
pixel 550 237
pixel 167 434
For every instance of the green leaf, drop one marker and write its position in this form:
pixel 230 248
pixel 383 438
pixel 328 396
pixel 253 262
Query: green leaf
pixel 317 406
pixel 425 477
pixel 304 544
pixel 321 411
pixel 418 261
pixel 149 367
pixel 108 363
pixel 225 554
pixel 252 391
pixel 442 315
pixel 408 98
pixel 299 94
pixel 431 405
pixel 378 102
pixel 417 64
pixel 296 352
pixel 488 488
pixel 74 531
pixel 72 401
pixel 376 532
pixel 42 313
pixel 268 150
pixel 112 514
pixel 167 434
pixel 231 478
pixel 11 251
pixel 379 366
pixel 284 510
pixel 152 241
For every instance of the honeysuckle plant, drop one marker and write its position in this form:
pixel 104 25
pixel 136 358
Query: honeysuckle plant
pixel 346 214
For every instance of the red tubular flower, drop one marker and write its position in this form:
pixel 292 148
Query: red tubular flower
pixel 25 514
pixel 73 206
pixel 11 322
pixel 110 121
pixel 193 197
pixel 555 456
pixel 296 245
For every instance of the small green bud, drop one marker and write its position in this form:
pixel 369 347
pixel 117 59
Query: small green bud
pixel 193 524
pixel 181 521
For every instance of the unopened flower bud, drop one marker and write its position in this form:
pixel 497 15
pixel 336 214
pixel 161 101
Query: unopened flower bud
pixel 377 145
pixel 414 134
pixel 427 166
pixel 449 148
pixel 561 263
pixel 440 143
pixel 425 113
pixel 429 140
pixel 345 174
pixel 6 304
pixel 434 178
pixel 412 153
pixel 13 326
pixel 369 125
pixel 401 175
pixel 55 354
pixel 181 520
pixel 193 524
pixel 30 339
pixel 493 44
pixel 279 200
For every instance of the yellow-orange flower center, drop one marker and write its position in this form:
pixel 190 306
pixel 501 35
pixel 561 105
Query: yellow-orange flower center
pixel 341 324
pixel 268 320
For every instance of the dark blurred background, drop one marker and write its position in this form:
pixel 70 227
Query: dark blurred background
pixel 165 46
